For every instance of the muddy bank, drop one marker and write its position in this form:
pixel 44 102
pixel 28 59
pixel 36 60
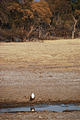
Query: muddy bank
pixel 14 104
pixel 46 115
pixel 49 87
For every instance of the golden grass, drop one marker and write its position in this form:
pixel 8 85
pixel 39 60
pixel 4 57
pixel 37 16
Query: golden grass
pixel 53 53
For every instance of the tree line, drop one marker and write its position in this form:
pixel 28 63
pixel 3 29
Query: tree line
pixel 23 20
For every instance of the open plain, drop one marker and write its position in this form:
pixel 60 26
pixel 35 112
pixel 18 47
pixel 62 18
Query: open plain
pixel 50 69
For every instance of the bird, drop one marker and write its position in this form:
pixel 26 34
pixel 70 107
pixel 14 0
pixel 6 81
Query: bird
pixel 32 97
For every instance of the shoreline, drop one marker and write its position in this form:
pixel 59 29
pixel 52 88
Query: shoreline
pixel 22 104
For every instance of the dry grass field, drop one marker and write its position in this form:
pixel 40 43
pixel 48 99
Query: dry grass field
pixel 50 69
pixel 59 54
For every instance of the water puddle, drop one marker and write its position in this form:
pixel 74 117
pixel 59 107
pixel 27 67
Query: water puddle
pixel 43 107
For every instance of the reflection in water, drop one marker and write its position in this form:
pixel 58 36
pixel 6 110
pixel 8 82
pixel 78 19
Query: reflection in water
pixel 32 109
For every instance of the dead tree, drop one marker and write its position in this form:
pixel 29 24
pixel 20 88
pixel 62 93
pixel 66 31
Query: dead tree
pixel 74 27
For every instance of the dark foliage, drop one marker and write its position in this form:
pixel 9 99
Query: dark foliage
pixel 22 20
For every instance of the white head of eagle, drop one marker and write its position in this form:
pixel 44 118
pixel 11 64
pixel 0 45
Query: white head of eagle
pixel 32 97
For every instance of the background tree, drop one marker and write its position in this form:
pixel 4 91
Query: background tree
pixel 76 16
pixel 61 10
pixel 20 18
pixel 42 15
